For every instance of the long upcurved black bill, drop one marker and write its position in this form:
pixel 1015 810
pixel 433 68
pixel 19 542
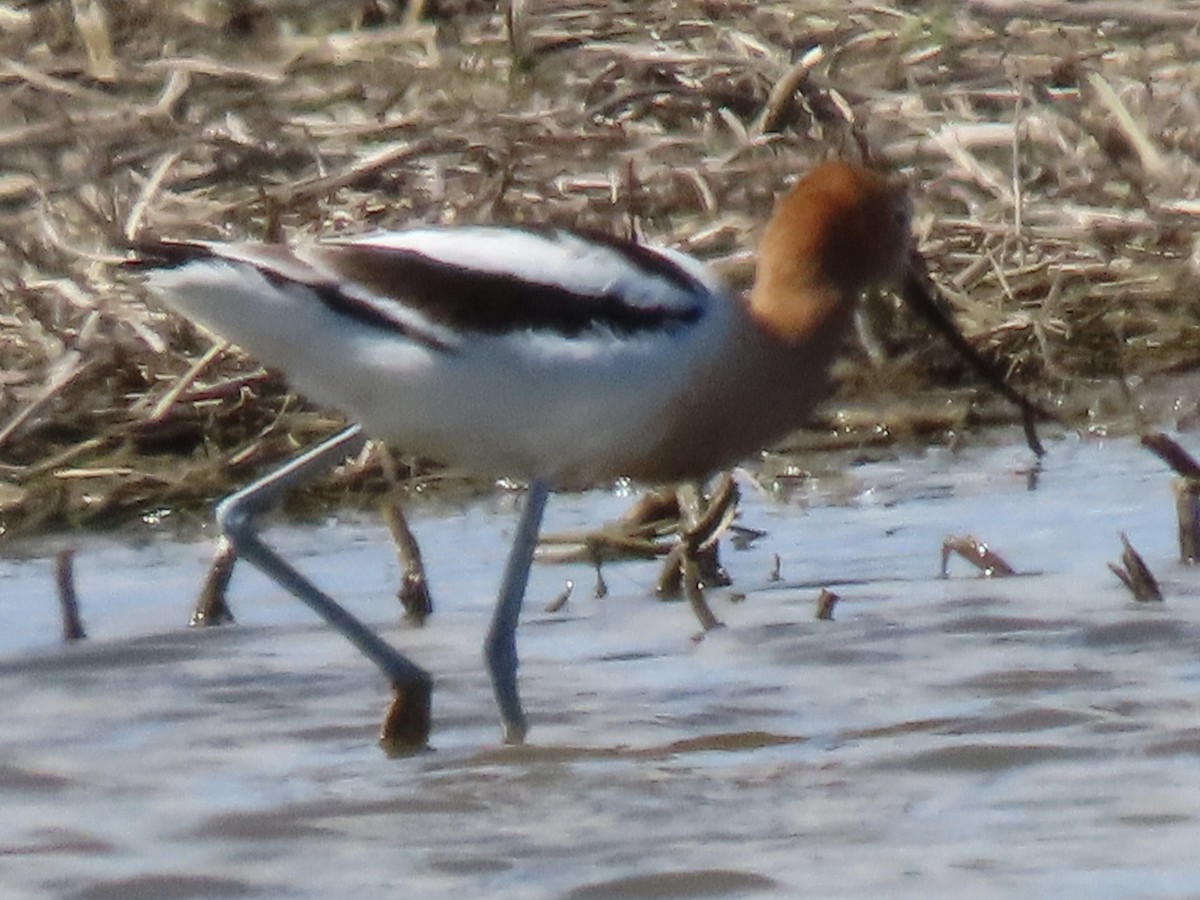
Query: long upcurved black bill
pixel 918 292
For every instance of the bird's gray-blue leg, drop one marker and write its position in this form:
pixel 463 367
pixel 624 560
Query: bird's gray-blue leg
pixel 500 646
pixel 236 518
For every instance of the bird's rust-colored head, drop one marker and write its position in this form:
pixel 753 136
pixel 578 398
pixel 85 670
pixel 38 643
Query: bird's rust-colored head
pixel 841 229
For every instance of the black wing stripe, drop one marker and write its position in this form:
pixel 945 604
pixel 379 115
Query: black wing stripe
pixel 471 300
pixel 336 300
pixel 172 254
pixel 155 254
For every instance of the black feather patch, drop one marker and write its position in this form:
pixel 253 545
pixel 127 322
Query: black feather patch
pixel 472 300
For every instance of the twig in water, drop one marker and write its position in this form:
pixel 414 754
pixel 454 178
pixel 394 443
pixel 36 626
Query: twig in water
pixel 977 554
pixel 413 592
pixel 64 577
pixel 212 608
pixel 693 563
pixel 1170 452
pixel 601 590
pixel 561 600
pixel 1186 488
pixel 826 601
pixel 414 588
pixel 1136 575
pixel 1187 511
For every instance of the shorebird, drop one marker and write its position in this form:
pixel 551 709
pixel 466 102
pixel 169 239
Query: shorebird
pixel 543 354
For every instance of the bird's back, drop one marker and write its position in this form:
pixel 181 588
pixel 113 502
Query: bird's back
pixel 520 352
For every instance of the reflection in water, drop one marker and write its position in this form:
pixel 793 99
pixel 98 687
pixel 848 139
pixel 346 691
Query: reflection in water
pixel 1036 734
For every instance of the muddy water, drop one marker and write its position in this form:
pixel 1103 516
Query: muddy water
pixel 1037 735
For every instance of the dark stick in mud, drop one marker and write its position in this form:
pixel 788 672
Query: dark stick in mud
pixel 64 578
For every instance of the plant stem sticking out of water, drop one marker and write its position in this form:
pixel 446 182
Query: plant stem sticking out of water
pixel 1136 575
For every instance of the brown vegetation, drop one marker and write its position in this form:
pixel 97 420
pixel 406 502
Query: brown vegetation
pixel 1055 167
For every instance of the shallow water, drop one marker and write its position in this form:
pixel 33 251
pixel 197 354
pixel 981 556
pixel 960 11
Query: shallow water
pixel 1036 735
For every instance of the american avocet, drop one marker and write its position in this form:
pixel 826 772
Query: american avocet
pixel 542 354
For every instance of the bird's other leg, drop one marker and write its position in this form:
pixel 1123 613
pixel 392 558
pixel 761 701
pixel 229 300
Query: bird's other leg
pixel 408 721
pixel 500 646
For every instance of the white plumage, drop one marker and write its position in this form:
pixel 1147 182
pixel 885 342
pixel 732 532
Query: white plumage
pixel 538 399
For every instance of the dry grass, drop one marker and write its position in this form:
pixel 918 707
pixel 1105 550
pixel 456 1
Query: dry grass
pixel 1056 164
